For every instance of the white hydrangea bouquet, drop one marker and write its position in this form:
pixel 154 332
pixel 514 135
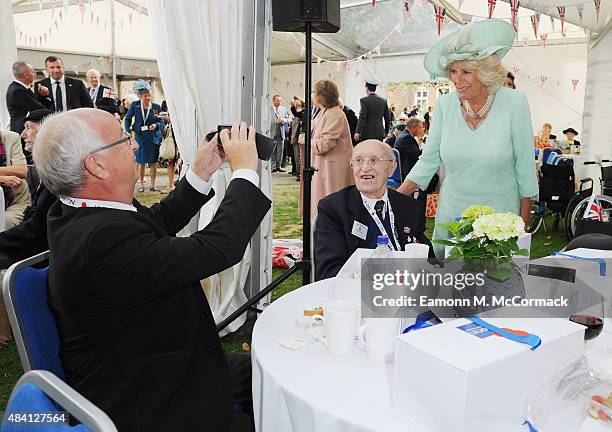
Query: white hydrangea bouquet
pixel 485 241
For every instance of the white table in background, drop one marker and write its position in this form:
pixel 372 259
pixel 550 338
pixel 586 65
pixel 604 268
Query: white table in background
pixel 311 391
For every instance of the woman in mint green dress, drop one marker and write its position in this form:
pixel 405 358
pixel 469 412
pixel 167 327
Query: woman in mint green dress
pixel 481 134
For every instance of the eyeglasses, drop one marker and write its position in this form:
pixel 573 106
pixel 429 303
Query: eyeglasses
pixel 371 161
pixel 403 119
pixel 126 137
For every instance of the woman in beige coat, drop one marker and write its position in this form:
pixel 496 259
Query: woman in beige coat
pixel 331 146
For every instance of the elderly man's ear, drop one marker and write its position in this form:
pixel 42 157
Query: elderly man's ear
pixel 96 167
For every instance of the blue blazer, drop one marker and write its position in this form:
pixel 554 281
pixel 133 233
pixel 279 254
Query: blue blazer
pixel 133 122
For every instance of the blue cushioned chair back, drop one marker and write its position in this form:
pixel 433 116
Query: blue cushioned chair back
pixel 396 178
pixel 29 398
pixel 550 155
pixel 37 325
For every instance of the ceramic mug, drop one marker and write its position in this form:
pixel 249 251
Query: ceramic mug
pixel 340 322
pixel 377 338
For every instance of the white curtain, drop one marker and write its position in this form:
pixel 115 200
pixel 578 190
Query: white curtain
pixel 199 52
pixel 8 56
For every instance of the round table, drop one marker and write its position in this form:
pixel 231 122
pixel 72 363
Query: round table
pixel 311 391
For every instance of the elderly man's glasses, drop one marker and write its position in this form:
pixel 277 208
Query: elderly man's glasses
pixel 403 120
pixel 371 161
pixel 126 137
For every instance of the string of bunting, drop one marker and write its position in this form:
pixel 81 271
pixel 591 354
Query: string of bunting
pixel 83 6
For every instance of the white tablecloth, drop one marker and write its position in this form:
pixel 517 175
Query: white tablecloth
pixel 311 391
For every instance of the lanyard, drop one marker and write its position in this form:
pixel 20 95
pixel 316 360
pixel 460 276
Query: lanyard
pixel 83 202
pixel 380 225
pixel 144 117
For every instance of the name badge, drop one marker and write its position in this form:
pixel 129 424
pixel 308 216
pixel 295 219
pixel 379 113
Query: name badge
pixel 359 230
pixel 144 128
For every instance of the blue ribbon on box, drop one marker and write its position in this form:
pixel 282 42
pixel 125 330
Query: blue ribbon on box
pixel 600 261
pixel 532 340
pixel 531 427
pixel 426 319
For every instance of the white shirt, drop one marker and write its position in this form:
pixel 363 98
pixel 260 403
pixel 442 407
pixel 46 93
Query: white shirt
pixel 196 182
pixel 372 201
pixel 93 94
pixel 62 84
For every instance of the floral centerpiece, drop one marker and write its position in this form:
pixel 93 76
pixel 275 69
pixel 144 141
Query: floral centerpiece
pixel 486 241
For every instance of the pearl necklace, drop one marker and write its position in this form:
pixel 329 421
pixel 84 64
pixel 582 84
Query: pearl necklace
pixel 483 111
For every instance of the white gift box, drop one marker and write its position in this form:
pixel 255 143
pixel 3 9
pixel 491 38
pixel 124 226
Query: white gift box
pixel 449 379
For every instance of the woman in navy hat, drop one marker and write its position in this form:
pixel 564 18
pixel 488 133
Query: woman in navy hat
pixel 481 134
pixel 570 134
pixel 143 119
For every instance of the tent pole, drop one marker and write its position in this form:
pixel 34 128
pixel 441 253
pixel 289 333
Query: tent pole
pixel 113 47
pixel 308 170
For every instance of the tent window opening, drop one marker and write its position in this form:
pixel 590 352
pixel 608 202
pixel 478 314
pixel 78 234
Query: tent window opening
pixel 420 99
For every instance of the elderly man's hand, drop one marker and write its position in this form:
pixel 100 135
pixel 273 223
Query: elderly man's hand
pixel 239 146
pixel 208 159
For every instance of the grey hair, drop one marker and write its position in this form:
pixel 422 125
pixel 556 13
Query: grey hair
pixel 19 67
pixel 490 71
pixel 95 72
pixel 62 144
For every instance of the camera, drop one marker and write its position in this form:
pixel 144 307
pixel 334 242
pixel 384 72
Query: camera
pixel 265 146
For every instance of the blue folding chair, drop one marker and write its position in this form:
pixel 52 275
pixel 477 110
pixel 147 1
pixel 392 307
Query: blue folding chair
pixel 396 178
pixel 41 396
pixel 25 295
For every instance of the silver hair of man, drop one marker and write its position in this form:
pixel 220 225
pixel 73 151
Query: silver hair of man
pixel 62 144
pixel 19 67
pixel 385 149
pixel 94 72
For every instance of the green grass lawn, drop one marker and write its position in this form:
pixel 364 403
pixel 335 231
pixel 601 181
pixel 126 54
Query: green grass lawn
pixel 287 224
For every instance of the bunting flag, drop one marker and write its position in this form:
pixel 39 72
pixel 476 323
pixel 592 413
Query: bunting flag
pixel 543 37
pixel 373 3
pixel 491 7
pixel 574 83
pixel 561 10
pixel 82 9
pixel 597 8
pixel 440 14
pixel 407 10
pixel 515 70
pixel 514 6
pixel 580 8
pixel 543 80
pixel 535 22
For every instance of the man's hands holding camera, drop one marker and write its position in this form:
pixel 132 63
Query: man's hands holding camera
pixel 238 146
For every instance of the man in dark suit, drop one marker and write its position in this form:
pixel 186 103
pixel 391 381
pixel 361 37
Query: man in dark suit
pixel 63 92
pixel 101 96
pixel 19 98
pixel 355 216
pixel 30 236
pixel 408 146
pixel 410 153
pixel 351 118
pixel 395 132
pixel 373 113
pixel 137 335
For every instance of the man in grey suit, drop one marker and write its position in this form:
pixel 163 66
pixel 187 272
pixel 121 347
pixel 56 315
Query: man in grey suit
pixel 280 119
pixel 374 111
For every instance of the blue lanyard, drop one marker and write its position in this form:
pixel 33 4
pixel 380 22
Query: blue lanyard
pixel 532 340
pixel 601 261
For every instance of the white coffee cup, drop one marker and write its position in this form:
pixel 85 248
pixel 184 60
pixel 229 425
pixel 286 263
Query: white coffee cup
pixel 340 322
pixel 377 338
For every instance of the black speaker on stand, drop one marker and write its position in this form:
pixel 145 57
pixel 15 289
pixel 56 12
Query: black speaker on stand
pixel 307 16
